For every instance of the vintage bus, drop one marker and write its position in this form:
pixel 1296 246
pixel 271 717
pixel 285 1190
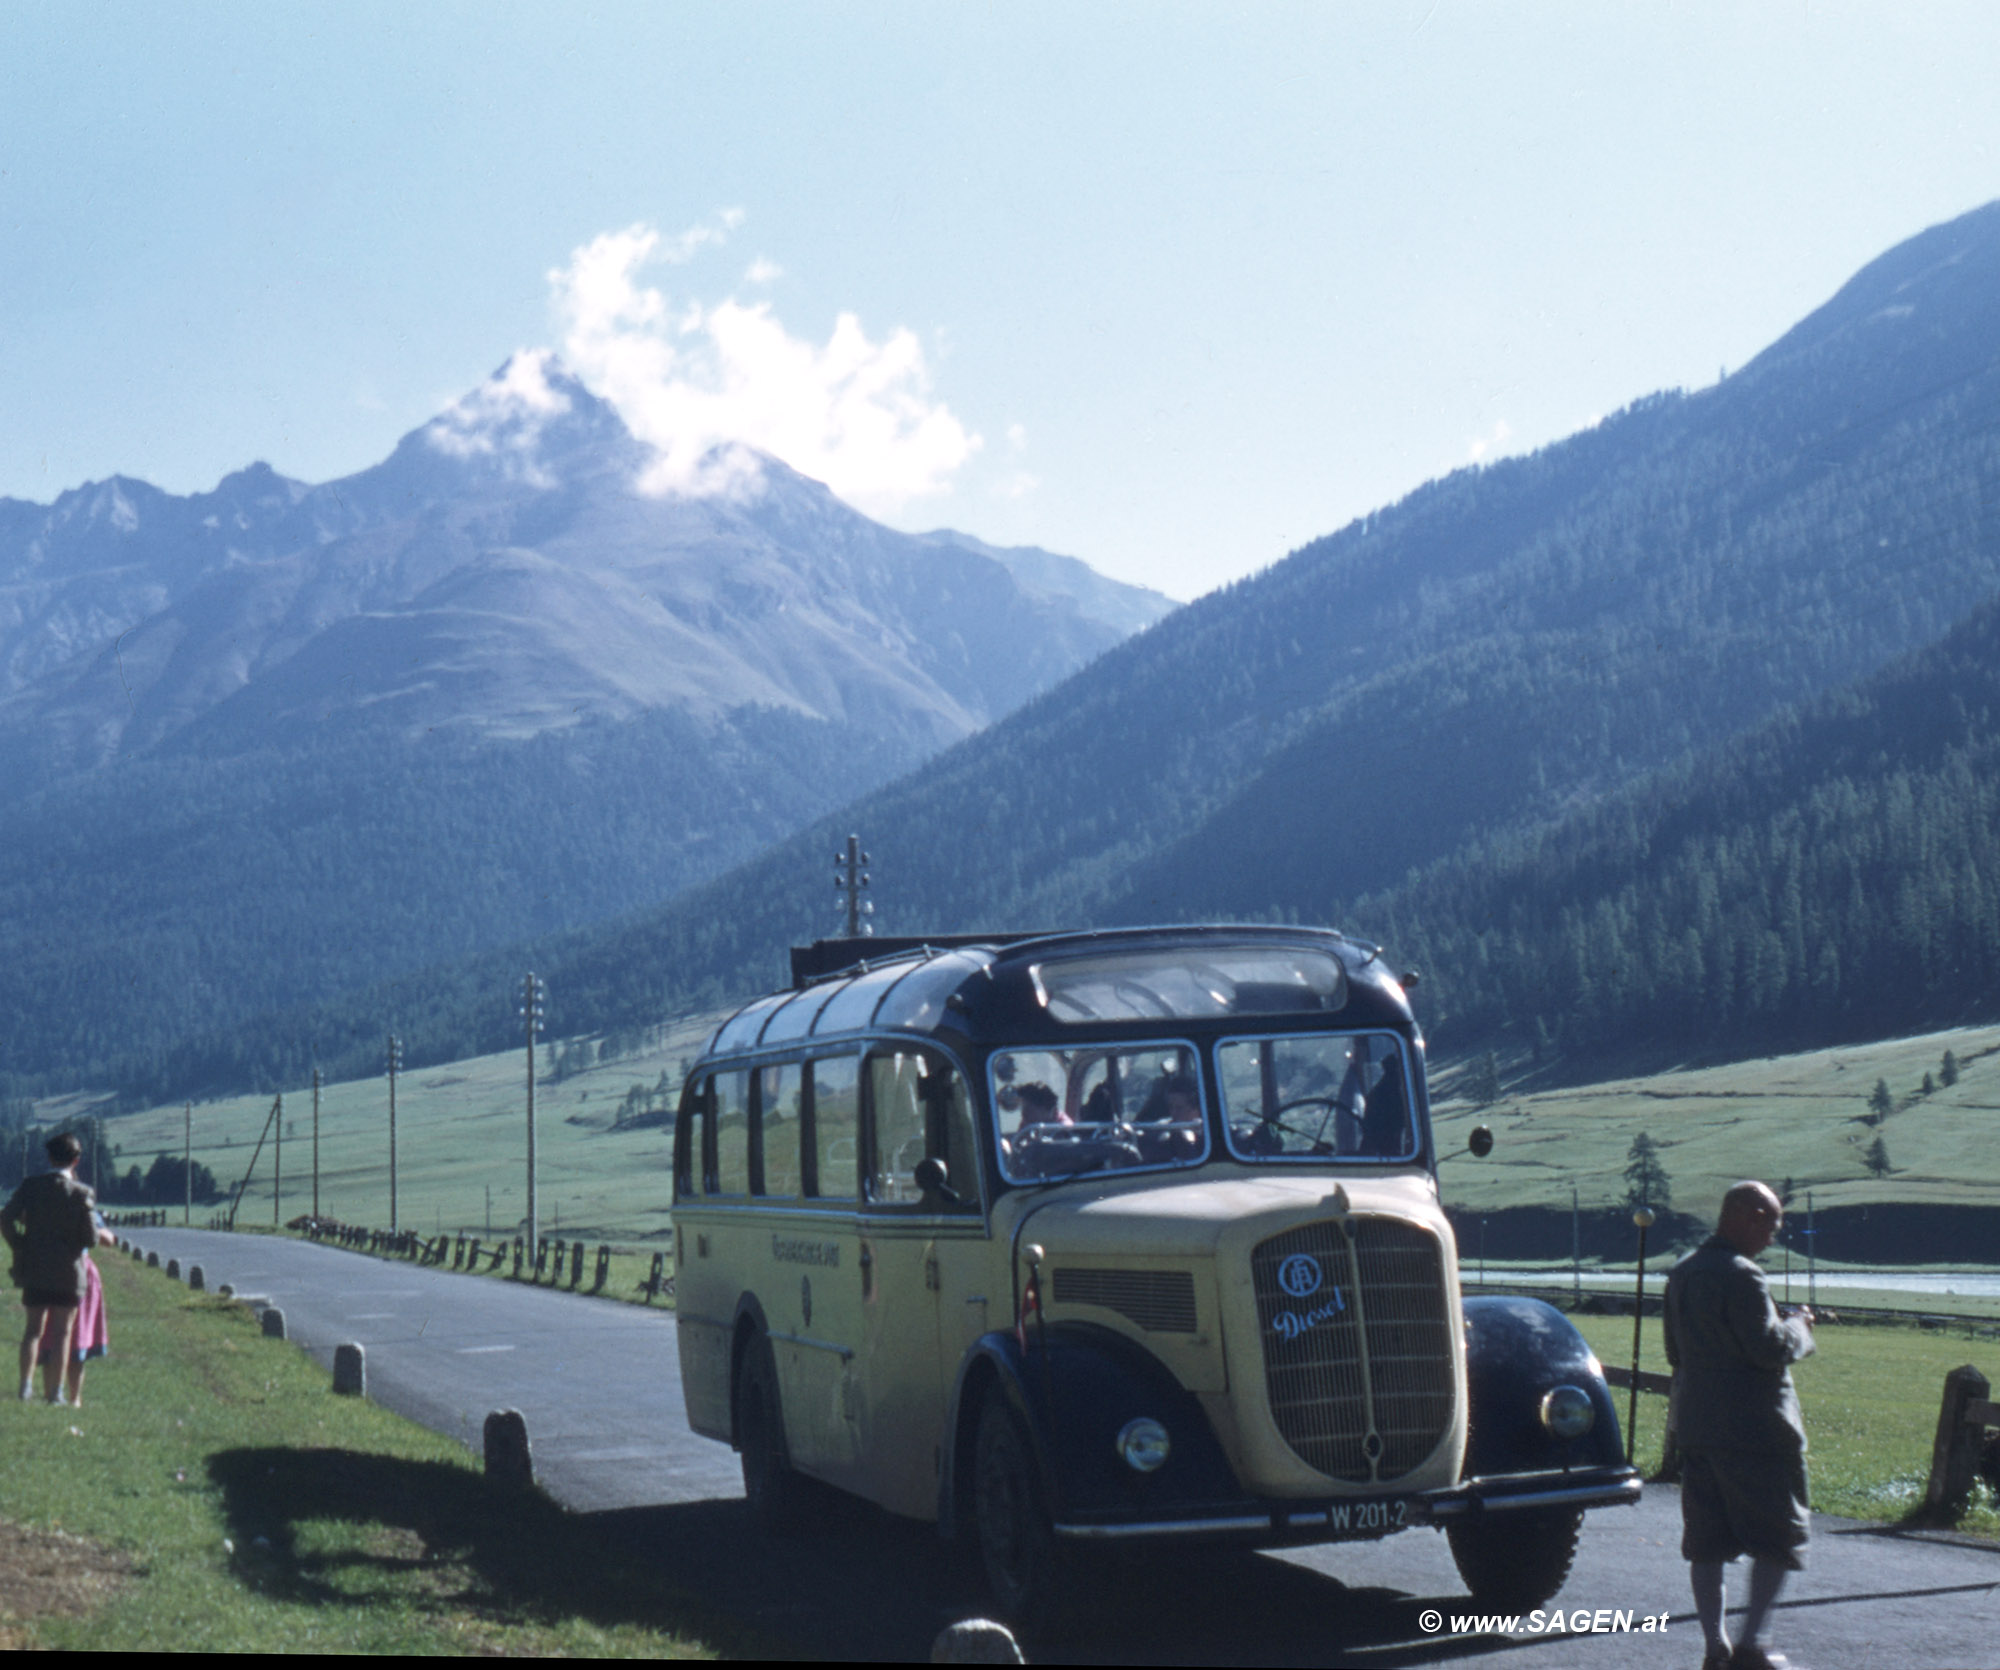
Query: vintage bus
pixel 1094 1238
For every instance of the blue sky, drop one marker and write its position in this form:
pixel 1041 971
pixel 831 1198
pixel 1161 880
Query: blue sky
pixel 1171 288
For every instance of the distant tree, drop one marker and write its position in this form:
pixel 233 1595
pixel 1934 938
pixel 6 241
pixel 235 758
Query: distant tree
pixel 166 1181
pixel 1785 1192
pixel 1928 1085
pixel 1880 1103
pixel 1646 1181
pixel 1877 1157
pixel 1948 1071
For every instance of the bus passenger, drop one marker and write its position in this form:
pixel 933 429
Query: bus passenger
pixel 1173 1100
pixel 1038 1105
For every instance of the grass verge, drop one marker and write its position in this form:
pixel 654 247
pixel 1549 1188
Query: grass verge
pixel 220 1498
pixel 1870 1399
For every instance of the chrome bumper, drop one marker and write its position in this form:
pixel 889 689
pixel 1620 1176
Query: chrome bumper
pixel 1286 1522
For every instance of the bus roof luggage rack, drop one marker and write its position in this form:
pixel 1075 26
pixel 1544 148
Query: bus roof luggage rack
pixel 837 956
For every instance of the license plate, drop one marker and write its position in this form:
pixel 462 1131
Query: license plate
pixel 1363 1518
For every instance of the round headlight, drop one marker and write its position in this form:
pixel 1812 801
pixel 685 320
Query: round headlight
pixel 1568 1413
pixel 1143 1444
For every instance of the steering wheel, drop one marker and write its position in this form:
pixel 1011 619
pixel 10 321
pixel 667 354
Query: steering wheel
pixel 1328 1105
pixel 1118 1147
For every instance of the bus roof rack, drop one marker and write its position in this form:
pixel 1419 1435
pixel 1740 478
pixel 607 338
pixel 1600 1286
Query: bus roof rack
pixel 835 956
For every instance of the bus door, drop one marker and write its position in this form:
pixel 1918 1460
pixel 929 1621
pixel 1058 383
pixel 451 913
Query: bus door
pixel 811 1295
pixel 920 1257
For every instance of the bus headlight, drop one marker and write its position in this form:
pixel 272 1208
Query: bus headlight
pixel 1567 1412
pixel 1144 1445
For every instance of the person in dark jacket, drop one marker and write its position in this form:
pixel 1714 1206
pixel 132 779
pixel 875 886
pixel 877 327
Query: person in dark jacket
pixel 1736 1419
pixel 48 1225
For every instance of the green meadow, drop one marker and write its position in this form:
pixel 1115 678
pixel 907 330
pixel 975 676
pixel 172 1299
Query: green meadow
pixel 1870 1399
pixel 461 1145
pixel 1802 1118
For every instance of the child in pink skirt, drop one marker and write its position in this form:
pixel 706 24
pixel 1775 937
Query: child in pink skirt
pixel 90 1338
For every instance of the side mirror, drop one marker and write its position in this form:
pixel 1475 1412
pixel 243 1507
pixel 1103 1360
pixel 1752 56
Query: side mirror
pixel 932 1177
pixel 1481 1142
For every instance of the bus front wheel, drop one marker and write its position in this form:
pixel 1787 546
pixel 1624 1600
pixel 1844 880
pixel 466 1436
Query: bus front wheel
pixel 1515 1561
pixel 1017 1544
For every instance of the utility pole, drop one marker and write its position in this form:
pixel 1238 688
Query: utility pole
pixel 1812 1253
pixel 395 1065
pixel 278 1162
pixel 851 879
pixel 315 1142
pixel 187 1163
pixel 1575 1247
pixel 534 996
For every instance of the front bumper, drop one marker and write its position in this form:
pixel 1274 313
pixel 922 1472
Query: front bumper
pixel 1359 1518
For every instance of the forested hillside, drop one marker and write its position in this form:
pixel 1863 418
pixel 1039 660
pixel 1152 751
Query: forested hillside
pixel 1464 674
pixel 1833 876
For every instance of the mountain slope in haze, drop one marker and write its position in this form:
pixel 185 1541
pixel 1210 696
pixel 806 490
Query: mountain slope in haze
pixel 278 741
pixel 500 573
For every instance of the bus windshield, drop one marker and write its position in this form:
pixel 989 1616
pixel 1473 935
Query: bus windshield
pixel 1091 1108
pixel 1322 1096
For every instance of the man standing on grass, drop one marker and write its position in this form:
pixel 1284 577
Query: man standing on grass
pixel 48 1226
pixel 1736 1420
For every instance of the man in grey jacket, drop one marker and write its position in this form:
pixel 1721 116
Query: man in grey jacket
pixel 48 1227
pixel 1736 1420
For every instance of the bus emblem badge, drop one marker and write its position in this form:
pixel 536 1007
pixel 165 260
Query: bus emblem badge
pixel 1300 1275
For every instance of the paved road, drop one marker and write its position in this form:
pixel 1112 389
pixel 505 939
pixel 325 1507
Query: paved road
pixel 599 1385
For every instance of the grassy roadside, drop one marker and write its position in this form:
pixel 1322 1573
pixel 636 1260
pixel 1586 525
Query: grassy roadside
pixel 213 1494
pixel 1870 1399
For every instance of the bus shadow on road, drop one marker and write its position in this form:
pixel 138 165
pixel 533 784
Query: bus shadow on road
pixel 858 1584
pixel 341 1527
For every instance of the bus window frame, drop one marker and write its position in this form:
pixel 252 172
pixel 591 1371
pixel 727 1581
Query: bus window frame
pixel 1108 1043
pixel 936 1145
pixel 809 1135
pixel 861 1049
pixel 1417 1121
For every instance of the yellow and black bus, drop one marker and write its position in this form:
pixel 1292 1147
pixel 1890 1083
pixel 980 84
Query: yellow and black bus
pixel 1096 1238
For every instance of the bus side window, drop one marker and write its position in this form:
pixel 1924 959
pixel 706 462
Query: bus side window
pixel 731 1113
pixel 958 1145
pixel 920 1106
pixel 837 1126
pixel 895 1098
pixel 689 1145
pixel 778 1121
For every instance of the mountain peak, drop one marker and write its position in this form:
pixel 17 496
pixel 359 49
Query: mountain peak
pixel 525 422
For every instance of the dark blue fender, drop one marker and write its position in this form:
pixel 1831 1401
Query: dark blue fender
pixel 1073 1389
pixel 1516 1350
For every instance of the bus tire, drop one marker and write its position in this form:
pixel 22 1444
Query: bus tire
pixel 775 1493
pixel 1513 1562
pixel 1017 1543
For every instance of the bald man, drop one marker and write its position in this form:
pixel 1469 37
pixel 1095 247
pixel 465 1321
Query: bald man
pixel 1736 1419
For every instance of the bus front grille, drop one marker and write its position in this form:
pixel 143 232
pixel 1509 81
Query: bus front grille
pixel 1357 1347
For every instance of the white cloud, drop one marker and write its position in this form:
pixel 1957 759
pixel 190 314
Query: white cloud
pixel 763 272
pixel 1491 446
pixel 691 378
